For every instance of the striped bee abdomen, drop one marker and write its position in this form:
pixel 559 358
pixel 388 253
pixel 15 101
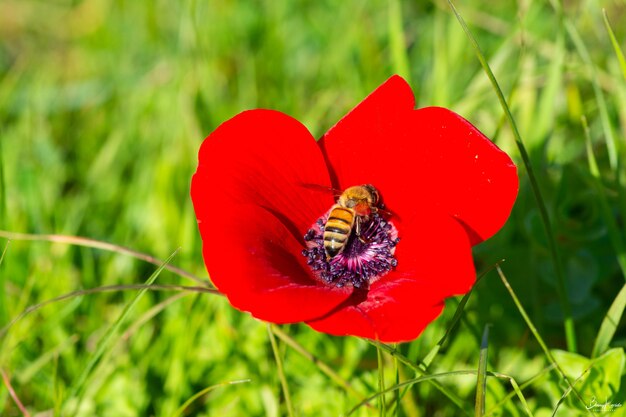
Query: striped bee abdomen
pixel 337 230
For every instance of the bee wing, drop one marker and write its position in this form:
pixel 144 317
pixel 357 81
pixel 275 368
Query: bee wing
pixel 386 212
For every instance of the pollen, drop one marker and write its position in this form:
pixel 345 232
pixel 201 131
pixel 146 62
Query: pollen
pixel 364 259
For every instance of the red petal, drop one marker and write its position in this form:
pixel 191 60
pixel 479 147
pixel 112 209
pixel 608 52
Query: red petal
pixel 368 123
pixel 401 304
pixel 389 315
pixel 427 157
pixel 268 159
pixel 257 263
pixel 253 211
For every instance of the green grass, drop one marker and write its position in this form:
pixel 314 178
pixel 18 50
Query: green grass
pixel 103 106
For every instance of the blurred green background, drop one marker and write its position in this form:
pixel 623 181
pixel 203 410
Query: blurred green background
pixel 103 106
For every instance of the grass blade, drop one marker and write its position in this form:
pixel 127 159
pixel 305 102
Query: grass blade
pixel 611 143
pixel 322 366
pixel 3 193
pixel 419 369
pixel 280 369
pixel 607 213
pixel 568 390
pixel 481 379
pixel 106 288
pixel 570 333
pixel 399 58
pixel 29 372
pixel 13 394
pixel 517 390
pixel 434 377
pixel 538 337
pixel 615 43
pixel 111 333
pixel 205 391
pixel 609 324
pixel 455 319
pixel 396 371
pixel 381 381
pixel 407 384
pixel 4 314
pixel 98 244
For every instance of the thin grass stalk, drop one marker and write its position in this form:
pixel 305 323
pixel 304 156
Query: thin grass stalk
pixel 408 383
pixel 611 143
pixel 409 405
pixel 4 251
pixel 538 337
pixel 570 332
pixel 609 324
pixel 618 50
pixel 458 313
pixel 622 62
pixel 13 394
pixel 108 337
pixel 615 162
pixel 396 372
pixel 3 192
pixel 433 377
pixel 381 382
pixel 57 389
pixel 481 375
pixel 420 370
pixel 106 288
pixel 110 247
pixel 202 392
pixel 4 314
pixel 497 408
pixel 281 372
pixel 321 365
pixel 605 207
pixel 399 57
pixel 150 314
pixel 29 372
pixel 516 389
pixel 569 389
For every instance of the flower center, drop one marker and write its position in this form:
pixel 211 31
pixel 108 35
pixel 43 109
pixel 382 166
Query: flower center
pixel 362 260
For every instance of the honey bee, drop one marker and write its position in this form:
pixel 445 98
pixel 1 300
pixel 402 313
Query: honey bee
pixel 354 207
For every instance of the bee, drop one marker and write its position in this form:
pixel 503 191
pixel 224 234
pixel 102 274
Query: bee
pixel 354 207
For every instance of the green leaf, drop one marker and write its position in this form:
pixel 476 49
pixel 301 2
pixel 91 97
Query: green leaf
pixel 597 380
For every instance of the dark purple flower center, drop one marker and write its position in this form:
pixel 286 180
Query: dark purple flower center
pixel 364 259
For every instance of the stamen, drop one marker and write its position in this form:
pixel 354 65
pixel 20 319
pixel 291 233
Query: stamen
pixel 364 259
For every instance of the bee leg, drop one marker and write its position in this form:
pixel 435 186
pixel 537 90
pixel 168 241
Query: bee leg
pixel 357 230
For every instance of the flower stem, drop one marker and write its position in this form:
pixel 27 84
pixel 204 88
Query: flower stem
pixel 570 333
pixel 281 373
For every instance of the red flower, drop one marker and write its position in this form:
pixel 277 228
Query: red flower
pixel 447 186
